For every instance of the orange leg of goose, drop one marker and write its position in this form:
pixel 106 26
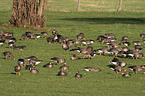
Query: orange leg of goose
pixel 133 58
pixel 117 72
pixel 136 58
pixel 100 53
pixel 19 73
pixel 16 73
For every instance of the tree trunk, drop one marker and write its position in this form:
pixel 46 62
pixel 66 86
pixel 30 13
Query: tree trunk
pixel 28 12
pixel 78 5
pixel 120 5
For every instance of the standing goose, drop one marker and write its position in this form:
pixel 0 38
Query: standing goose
pixel 21 62
pixel 78 75
pixel 44 34
pixel 62 73
pixel 17 69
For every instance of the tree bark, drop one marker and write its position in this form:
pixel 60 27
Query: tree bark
pixel 28 12
pixel 120 6
pixel 78 5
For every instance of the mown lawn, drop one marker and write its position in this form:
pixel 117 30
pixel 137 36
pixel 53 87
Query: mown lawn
pixel 69 24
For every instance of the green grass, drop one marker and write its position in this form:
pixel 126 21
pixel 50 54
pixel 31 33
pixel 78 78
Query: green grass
pixel 70 24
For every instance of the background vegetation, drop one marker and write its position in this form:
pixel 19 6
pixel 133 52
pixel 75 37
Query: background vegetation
pixel 70 23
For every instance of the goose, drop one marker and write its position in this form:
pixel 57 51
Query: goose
pixel 44 34
pixel 11 44
pixel 90 55
pixel 2 42
pixel 74 57
pixel 21 62
pixel 114 51
pixel 117 69
pixel 102 50
pixel 27 67
pixel 114 61
pixel 8 54
pixel 35 62
pixel 81 36
pixel 34 70
pixel 49 40
pixel 62 73
pixel 137 43
pixel 135 68
pixel 142 35
pixel 48 65
pixel 17 69
pixel 78 75
pixel 87 42
pixel 108 40
pixel 70 43
pixel 58 60
pixel 92 69
pixel 122 64
pixel 64 67
pixel 127 74
pixel 127 44
pixel 18 47
pixel 65 47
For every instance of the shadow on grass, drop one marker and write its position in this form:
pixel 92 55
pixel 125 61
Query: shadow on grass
pixel 109 20
pixel 13 73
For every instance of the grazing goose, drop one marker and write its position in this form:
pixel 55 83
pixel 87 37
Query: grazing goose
pixel 89 54
pixel 127 74
pixel 134 54
pixel 137 43
pixel 87 42
pixel 11 44
pixel 34 70
pixel 18 47
pixel 64 67
pixel 122 64
pixel 117 69
pixel 92 69
pixel 78 75
pixel 48 65
pixel 114 51
pixel 102 50
pixel 49 40
pixel 35 62
pixel 74 57
pixel 127 44
pixel 65 47
pixel 81 36
pixel 135 68
pixel 8 54
pixel 58 60
pixel 44 34
pixel 27 67
pixel 114 61
pixel 2 42
pixel 17 69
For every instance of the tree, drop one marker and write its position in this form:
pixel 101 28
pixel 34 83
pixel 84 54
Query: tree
pixel 28 12
pixel 120 5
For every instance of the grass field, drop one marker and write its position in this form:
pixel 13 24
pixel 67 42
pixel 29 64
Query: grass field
pixel 70 24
